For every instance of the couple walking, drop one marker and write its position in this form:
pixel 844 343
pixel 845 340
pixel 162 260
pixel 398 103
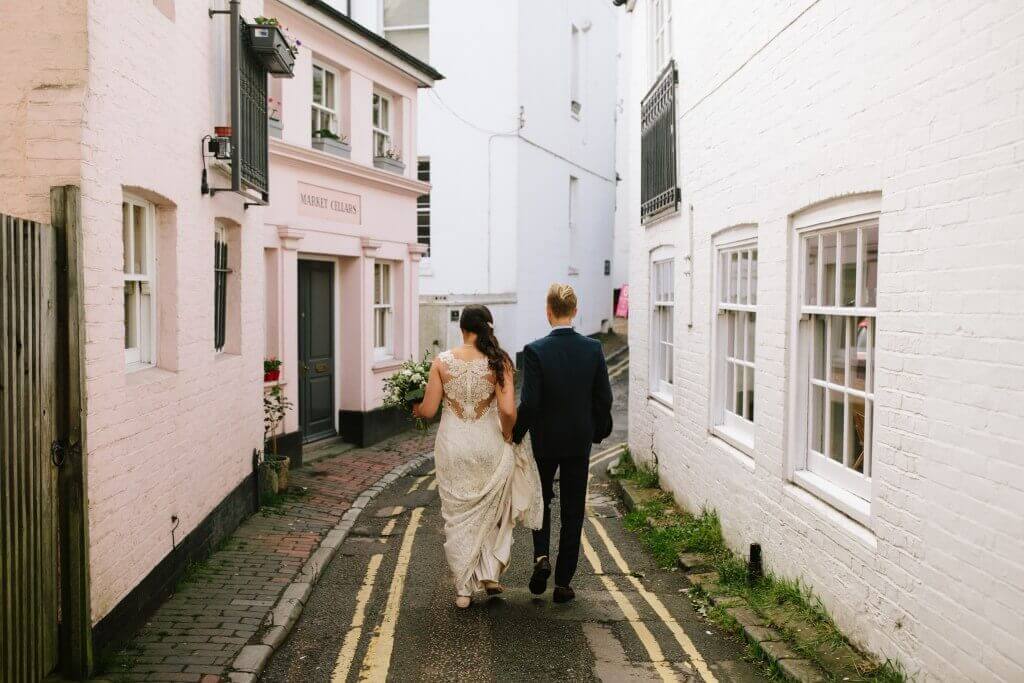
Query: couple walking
pixel 489 476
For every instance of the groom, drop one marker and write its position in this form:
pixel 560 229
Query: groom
pixel 566 406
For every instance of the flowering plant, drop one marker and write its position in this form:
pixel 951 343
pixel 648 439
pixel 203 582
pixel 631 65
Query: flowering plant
pixel 407 386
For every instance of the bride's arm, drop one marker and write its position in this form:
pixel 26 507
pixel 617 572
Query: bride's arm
pixel 507 403
pixel 427 409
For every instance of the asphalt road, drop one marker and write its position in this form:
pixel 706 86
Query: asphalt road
pixel 383 609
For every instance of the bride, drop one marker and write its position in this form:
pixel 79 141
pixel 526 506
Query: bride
pixel 486 483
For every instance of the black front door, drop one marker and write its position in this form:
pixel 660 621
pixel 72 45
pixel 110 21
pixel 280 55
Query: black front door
pixel 316 349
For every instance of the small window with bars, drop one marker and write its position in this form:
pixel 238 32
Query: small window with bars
pixel 220 287
pixel 423 206
pixel 658 184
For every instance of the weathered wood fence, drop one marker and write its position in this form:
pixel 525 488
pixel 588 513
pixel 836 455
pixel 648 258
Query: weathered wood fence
pixel 42 601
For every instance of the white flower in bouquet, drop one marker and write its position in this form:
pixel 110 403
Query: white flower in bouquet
pixel 407 386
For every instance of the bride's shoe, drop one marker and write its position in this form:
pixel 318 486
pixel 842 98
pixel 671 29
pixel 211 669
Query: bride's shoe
pixel 463 601
pixel 493 587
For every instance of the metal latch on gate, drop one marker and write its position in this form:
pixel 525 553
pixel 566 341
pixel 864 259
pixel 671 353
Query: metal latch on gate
pixel 60 450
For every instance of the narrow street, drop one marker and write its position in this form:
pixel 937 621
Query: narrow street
pixel 383 609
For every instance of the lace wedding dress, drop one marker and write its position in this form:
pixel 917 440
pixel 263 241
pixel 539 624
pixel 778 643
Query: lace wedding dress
pixel 486 485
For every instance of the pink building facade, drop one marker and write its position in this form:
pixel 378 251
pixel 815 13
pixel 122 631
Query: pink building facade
pixel 116 98
pixel 340 244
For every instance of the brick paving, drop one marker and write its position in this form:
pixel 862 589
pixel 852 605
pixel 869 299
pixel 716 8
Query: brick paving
pixel 222 603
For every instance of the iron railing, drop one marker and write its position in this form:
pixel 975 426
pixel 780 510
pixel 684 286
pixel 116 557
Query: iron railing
pixel 252 105
pixel 658 183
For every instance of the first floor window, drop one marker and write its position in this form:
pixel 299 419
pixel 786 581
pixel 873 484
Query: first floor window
pixel 839 283
pixel 735 334
pixel 423 206
pixel 220 287
pixel 324 108
pixel 381 125
pixel 383 311
pixel 137 230
pixel 662 325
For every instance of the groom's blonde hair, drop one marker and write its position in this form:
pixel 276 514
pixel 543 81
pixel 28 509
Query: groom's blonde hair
pixel 562 300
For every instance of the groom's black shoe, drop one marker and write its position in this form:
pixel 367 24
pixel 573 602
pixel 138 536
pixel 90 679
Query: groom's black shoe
pixel 541 572
pixel 563 594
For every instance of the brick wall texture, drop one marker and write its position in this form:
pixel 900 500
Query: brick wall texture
pixel 785 104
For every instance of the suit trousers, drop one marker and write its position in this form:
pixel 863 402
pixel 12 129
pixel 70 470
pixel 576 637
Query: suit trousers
pixel 572 494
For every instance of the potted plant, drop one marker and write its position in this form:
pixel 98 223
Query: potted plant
pixel 391 160
pixel 326 140
pixel 273 46
pixel 274 126
pixel 269 483
pixel 271 370
pixel 275 406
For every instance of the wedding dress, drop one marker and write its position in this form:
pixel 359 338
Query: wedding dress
pixel 486 485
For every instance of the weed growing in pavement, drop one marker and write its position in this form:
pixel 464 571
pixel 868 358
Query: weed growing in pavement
pixel 788 604
pixel 628 469
pixel 274 503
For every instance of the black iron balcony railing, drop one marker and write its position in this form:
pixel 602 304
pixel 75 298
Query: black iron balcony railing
pixel 659 191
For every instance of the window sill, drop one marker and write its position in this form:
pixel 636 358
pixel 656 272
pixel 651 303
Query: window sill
pixel 661 217
pixel 735 450
pixel 140 374
pixel 740 442
pixel 853 507
pixel 275 383
pixel 383 364
pixel 661 401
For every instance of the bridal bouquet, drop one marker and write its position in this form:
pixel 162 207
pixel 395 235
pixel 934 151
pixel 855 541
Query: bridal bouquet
pixel 407 385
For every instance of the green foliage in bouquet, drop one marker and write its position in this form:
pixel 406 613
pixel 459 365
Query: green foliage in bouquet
pixel 408 385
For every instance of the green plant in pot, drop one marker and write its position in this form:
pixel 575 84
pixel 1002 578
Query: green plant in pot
pixel 275 406
pixel 269 481
pixel 271 369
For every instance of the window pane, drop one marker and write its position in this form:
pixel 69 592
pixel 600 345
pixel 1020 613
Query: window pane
pixel 870 371
pixel 145 321
pixel 385 114
pixel 376 111
pixel 741 285
pixel 835 439
pixel 318 85
pixel 811 272
pixel 329 90
pixel 859 357
pixel 751 336
pixel 848 257
pixel 730 387
pixel 855 439
pixel 126 236
pixel 748 395
pixel 820 350
pixel 869 272
pixel 741 335
pixel 140 234
pixel 385 274
pixel 377 294
pixel 837 347
pixel 730 333
pixel 829 257
pixel 860 461
pixel 131 318
pixel 752 295
pixel 733 268
pixel 817 422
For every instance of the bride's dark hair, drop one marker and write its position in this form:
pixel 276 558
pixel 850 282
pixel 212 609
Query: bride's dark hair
pixel 478 320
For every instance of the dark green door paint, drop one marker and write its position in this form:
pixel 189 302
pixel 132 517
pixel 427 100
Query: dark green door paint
pixel 316 349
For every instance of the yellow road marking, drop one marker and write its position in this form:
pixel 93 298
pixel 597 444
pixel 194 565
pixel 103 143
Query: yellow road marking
pixel 647 638
pixel 388 528
pixel 348 647
pixel 656 604
pixel 608 454
pixel 418 483
pixel 432 485
pixel 382 644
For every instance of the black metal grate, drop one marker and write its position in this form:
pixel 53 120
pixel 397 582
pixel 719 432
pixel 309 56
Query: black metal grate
pixel 252 129
pixel 658 183
pixel 220 294
pixel 423 206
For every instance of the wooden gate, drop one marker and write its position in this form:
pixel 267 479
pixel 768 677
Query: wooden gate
pixel 44 606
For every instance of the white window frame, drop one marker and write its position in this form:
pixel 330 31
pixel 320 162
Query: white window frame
pixel 382 128
pixel 837 483
pixel 661 367
pixel 143 354
pixel 321 110
pixel 383 310
pixel 734 296
pixel 659 36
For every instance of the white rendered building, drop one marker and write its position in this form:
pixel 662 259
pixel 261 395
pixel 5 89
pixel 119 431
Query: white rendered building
pixel 519 146
pixel 826 323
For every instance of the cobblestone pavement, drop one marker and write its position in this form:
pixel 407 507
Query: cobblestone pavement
pixel 221 604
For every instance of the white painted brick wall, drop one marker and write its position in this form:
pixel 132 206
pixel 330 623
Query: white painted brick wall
pixel 923 101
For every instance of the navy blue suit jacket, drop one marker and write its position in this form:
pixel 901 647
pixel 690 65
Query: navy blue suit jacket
pixel 566 399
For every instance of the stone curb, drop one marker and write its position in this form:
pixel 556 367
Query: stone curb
pixel 698 573
pixel 253 658
pixel 616 353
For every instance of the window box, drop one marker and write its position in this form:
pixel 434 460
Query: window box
pixel 273 49
pixel 333 146
pixel 389 164
pixel 274 128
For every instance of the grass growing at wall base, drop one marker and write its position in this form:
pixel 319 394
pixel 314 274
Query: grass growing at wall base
pixel 788 605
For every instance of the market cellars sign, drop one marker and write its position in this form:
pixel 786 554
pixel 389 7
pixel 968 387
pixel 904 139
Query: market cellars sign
pixel 340 207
